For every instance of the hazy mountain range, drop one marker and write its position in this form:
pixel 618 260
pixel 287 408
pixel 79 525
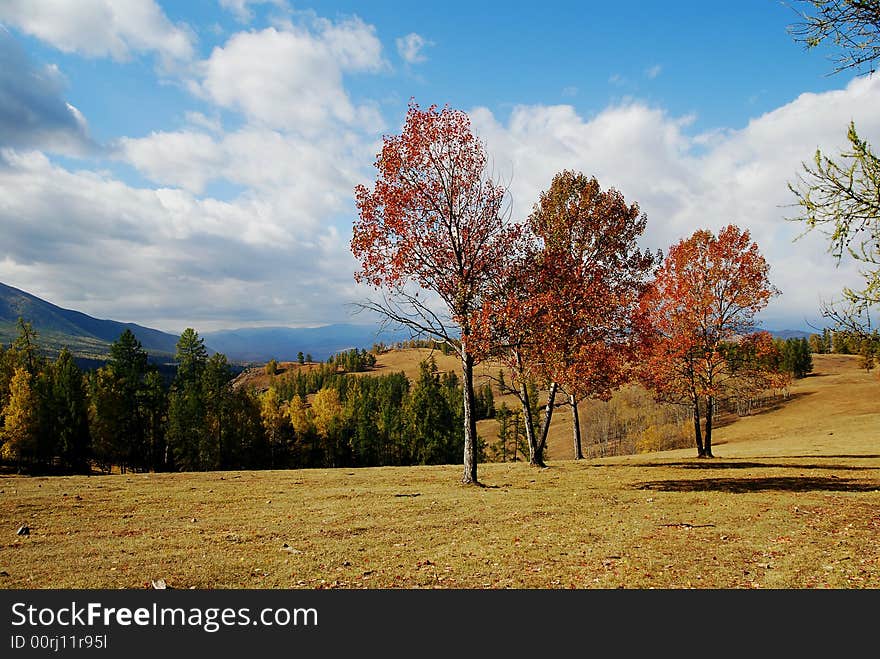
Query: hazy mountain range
pixel 90 338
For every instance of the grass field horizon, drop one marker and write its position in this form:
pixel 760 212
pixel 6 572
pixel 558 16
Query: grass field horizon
pixel 791 500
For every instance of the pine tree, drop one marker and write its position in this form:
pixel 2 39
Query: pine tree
pixel 187 415
pixel 433 423
pixel 191 356
pixel 154 403
pixel 107 419
pixel 26 350
pixel 129 364
pixel 217 397
pixel 70 419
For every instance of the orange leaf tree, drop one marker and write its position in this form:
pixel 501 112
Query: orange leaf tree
pixel 510 326
pixel 593 275
pixel 702 302
pixel 434 222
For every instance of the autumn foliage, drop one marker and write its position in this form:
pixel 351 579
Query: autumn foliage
pixel 594 274
pixel 700 314
pixel 434 222
pixel 563 297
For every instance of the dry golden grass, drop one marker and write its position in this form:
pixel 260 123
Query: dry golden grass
pixel 791 501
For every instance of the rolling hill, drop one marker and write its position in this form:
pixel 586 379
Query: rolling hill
pixel 84 335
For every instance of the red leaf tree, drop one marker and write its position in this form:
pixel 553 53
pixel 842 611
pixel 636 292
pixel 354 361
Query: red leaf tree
pixel 563 311
pixel 510 326
pixel 593 275
pixel 434 222
pixel 700 307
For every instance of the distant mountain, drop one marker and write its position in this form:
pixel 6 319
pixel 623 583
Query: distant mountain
pixel 260 344
pixel 790 334
pixel 83 335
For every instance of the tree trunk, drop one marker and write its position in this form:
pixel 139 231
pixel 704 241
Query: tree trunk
pixel 548 413
pixel 697 432
pixel 710 409
pixel 469 477
pixel 576 428
pixel 529 425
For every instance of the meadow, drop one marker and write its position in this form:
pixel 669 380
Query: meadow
pixel 792 500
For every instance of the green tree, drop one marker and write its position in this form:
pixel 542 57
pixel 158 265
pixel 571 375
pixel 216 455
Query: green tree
pixel 70 413
pixel 154 405
pixel 107 419
pixel 26 350
pixel 484 402
pixel 217 395
pixel 245 445
pixel 360 413
pixel 796 356
pixel 128 359
pixel 186 425
pixel 432 418
pixel 300 358
pixel 841 196
pixel 191 356
pixel 128 365
pixel 187 414
pixel 853 26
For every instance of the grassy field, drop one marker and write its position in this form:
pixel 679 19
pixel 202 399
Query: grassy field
pixel 792 500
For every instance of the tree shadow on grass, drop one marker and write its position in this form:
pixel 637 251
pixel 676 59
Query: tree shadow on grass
pixel 727 464
pixel 854 456
pixel 773 484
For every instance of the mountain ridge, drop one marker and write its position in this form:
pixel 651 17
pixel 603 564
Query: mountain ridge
pixel 84 335
pixel 89 337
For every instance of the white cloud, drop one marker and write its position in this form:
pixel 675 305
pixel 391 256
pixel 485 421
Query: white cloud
pixel 686 182
pixel 316 177
pixel 410 48
pixel 185 159
pixel 292 79
pixel 163 257
pixel 212 124
pixel 100 28
pixel 242 8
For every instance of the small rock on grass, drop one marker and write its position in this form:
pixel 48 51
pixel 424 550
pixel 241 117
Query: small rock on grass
pixel 24 529
pixel 159 584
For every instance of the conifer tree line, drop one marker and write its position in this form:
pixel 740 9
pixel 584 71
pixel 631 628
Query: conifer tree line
pixel 125 416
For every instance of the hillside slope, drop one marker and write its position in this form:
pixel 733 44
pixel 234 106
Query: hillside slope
pixel 83 334
pixel 837 383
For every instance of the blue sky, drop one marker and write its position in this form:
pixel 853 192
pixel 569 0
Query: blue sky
pixel 192 164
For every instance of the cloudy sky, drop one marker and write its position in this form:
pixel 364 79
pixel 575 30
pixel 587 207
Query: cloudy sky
pixel 192 164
